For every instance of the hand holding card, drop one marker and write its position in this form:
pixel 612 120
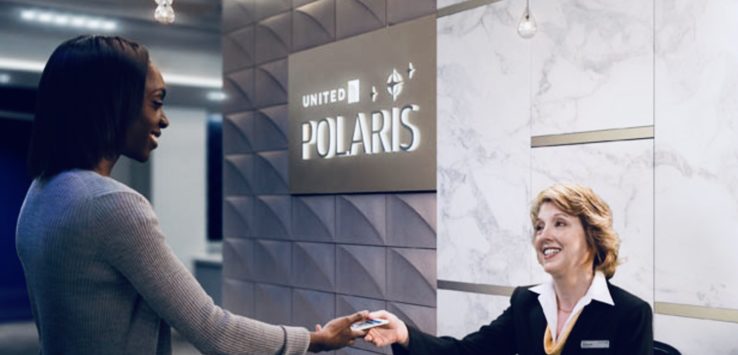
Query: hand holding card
pixel 369 323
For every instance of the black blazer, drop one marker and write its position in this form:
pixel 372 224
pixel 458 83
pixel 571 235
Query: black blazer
pixel 626 329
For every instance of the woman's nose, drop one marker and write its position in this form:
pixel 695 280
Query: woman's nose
pixel 164 122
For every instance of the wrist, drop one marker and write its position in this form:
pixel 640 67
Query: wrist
pixel 404 335
pixel 316 342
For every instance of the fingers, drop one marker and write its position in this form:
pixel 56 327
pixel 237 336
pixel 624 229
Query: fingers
pixel 381 314
pixel 358 333
pixel 358 316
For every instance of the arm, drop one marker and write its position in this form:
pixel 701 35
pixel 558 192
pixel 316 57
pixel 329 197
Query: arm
pixel 134 244
pixel 635 333
pixel 498 337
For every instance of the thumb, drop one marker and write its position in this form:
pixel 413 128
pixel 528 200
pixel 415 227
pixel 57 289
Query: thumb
pixel 318 328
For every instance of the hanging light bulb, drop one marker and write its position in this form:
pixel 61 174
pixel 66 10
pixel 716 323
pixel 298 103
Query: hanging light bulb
pixel 164 12
pixel 527 26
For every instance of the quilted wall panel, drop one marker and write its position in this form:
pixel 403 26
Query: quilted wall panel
pixel 314 266
pixel 359 16
pixel 313 24
pixel 270 128
pixel 313 218
pixel 238 212
pixel 361 219
pixel 237 130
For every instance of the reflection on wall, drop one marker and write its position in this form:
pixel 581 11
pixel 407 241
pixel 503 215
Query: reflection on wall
pixel 593 66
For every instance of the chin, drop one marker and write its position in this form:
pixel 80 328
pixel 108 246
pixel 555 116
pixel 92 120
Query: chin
pixel 141 157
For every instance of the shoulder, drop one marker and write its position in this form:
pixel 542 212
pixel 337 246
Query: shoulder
pixel 625 299
pixel 629 307
pixel 103 197
pixel 85 183
pixel 523 295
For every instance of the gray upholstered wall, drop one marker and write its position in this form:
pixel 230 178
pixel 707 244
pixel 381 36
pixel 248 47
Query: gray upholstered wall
pixel 303 260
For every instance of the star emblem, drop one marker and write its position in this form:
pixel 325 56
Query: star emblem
pixel 394 84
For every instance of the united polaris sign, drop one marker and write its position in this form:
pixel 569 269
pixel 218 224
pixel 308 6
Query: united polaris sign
pixel 363 113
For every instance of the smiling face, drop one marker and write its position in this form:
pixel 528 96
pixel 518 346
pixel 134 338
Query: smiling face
pixel 143 133
pixel 560 242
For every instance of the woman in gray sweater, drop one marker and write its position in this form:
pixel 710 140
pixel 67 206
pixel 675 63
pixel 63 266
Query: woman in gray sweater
pixel 100 275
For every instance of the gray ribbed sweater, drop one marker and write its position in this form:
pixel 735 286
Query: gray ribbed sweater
pixel 102 280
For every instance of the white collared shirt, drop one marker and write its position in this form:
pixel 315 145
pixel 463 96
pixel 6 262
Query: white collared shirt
pixel 547 298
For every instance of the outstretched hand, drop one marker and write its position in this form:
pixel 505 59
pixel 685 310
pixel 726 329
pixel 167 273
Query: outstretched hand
pixel 337 333
pixel 393 332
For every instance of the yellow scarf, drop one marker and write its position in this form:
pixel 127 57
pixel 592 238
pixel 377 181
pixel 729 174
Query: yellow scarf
pixel 554 348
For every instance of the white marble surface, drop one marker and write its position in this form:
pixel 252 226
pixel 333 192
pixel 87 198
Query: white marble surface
pixel 697 336
pixel 592 65
pixel 461 313
pixel 621 173
pixel 697 152
pixel 483 147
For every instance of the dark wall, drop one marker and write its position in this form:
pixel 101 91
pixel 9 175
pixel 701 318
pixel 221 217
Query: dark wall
pixel 14 139
pixel 303 260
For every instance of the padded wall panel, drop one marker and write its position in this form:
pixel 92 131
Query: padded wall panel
pixel 270 128
pixel 313 24
pixel 271 84
pixel 238 212
pixel 273 304
pixel 361 270
pixel 272 38
pixel 237 14
pixel 361 219
pixel 272 217
pixel 314 218
pixel 237 128
pixel 355 17
pixel 238 259
pixel 238 49
pixel 238 297
pixel 420 317
pixel 312 307
pixel 272 261
pixel 238 178
pixel 268 8
pixel 271 173
pixel 411 220
pixel 314 266
pixel 404 10
pixel 239 89
pixel 413 276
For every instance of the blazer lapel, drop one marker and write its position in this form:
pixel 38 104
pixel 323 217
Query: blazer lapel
pixel 536 328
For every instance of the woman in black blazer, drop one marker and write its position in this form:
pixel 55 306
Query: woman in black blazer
pixel 577 312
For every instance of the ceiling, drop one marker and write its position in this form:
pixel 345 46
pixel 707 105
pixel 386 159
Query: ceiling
pixel 188 50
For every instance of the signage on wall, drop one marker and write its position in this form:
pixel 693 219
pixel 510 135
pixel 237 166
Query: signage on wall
pixel 362 112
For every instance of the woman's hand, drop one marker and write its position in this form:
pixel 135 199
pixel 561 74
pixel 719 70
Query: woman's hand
pixel 337 333
pixel 393 332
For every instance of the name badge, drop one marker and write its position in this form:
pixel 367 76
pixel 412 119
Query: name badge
pixel 595 344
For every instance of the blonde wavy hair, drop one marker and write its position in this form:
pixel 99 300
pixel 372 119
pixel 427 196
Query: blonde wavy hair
pixel 595 216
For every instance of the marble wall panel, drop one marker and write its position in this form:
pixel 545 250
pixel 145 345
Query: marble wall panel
pixel 592 65
pixel 461 313
pixel 621 173
pixel 697 152
pixel 483 147
pixel 696 336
